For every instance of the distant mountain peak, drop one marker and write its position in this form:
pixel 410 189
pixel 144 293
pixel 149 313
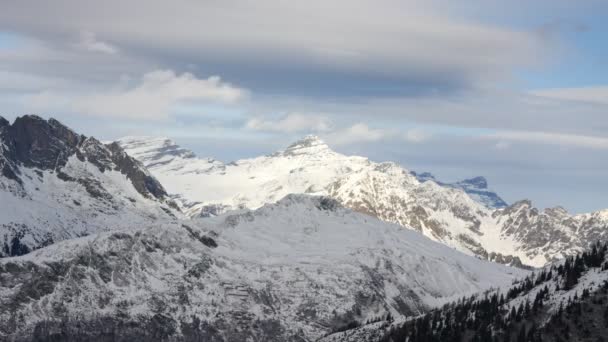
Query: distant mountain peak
pixel 525 203
pixel 154 150
pixel 309 139
pixel 476 187
pixel 557 211
pixel 3 122
pixel 479 182
pixel 88 186
pixel 310 144
pixel 36 142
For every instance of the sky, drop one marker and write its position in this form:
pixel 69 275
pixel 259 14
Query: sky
pixel 516 91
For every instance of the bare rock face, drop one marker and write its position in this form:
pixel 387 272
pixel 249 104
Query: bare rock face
pixel 136 172
pixel 33 142
pixel 56 184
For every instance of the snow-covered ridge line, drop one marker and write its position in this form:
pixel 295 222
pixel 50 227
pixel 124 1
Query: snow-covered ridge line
pixel 460 215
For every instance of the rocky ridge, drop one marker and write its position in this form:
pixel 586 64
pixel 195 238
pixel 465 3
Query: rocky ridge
pixel 57 184
pixel 462 215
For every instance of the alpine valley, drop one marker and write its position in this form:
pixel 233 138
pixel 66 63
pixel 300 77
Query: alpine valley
pixel 140 240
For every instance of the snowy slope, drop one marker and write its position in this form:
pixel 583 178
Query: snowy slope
pixel 448 213
pixel 58 185
pixel 295 270
pixel 203 184
pixel 562 302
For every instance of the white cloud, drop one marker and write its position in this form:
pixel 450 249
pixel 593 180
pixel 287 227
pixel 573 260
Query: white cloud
pixel 596 94
pixel 152 98
pixel 416 135
pixel 502 145
pixel 24 82
pixel 88 41
pixel 573 140
pixel 357 133
pixel 357 36
pixel 290 123
pixel 475 109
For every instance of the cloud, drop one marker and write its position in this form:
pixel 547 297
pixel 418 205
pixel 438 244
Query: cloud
pixel 482 109
pixel 416 135
pixel 357 133
pixel 88 41
pixel 502 145
pixel 404 47
pixel 596 94
pixel 570 140
pixel 23 82
pixel 290 123
pixel 153 97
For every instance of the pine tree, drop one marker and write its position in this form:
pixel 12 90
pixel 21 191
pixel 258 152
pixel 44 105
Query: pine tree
pixel 521 337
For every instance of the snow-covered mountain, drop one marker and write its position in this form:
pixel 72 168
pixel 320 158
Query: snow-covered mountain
pixel 295 270
pixel 476 188
pixel 461 215
pixel 562 302
pixel 56 184
pixel 287 246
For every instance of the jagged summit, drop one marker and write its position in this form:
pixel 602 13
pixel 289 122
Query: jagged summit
pixel 524 203
pixel 164 145
pixel 45 167
pixel 310 144
pixel 479 182
pixel 36 142
pixel 308 140
pixel 476 187
pixel 557 211
pixel 154 150
pixel 3 122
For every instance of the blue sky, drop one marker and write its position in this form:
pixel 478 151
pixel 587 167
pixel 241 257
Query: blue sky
pixel 515 91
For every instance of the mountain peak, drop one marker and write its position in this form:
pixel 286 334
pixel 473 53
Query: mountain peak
pixel 476 188
pixel 521 204
pixel 479 182
pixel 151 150
pixel 558 211
pixel 310 144
pixel 40 143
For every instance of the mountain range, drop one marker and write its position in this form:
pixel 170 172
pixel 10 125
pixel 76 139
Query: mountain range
pixel 95 248
pixel 299 269
pixel 463 215
pixel 140 240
